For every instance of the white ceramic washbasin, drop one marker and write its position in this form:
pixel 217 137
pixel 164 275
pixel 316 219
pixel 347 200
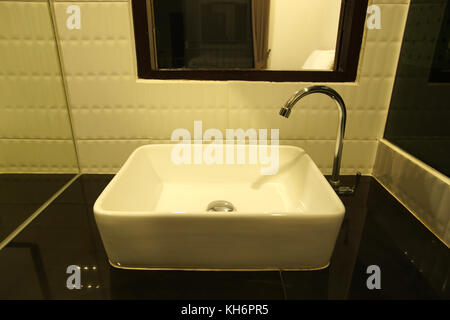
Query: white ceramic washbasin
pixel 153 214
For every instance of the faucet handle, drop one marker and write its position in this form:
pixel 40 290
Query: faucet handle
pixel 349 191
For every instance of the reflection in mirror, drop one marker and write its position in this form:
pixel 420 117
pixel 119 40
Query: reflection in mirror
pixel 35 131
pixel 303 34
pixel 440 70
pixel 22 194
pixel 26 261
pixel 418 118
pixel 243 34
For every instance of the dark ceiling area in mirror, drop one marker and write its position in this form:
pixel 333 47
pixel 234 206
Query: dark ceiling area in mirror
pixel 419 114
pixel 203 34
pixel 350 33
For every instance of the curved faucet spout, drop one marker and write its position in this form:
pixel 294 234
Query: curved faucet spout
pixel 342 112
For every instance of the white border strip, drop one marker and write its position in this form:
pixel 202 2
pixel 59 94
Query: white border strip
pixel 410 210
pixel 416 161
pixel 413 184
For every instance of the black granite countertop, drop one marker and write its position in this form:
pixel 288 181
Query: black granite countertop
pixel 377 230
pixel 22 194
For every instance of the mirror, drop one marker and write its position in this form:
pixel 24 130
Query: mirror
pixel 243 34
pixel 303 34
pixel 35 131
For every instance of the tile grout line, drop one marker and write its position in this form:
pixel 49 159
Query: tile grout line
pixel 51 9
pixel 36 213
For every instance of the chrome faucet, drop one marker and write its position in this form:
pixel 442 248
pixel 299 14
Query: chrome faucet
pixel 342 111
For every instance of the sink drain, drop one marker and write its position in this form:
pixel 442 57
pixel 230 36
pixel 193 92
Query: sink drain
pixel 220 206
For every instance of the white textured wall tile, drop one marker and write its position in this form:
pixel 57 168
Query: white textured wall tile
pixel 102 92
pixel 246 118
pixel 103 0
pixel 35 132
pixel 365 124
pixel 101 21
pixel 108 103
pixel 32 91
pixel 13 53
pixel 376 94
pixel 322 152
pixel 105 156
pixel 20 155
pixel 25 20
pixel 383 57
pixel 358 155
pixel 97 57
pixel 34 123
pixel 23 0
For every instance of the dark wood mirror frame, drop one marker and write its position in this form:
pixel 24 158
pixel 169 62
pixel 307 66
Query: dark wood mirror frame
pixel 350 33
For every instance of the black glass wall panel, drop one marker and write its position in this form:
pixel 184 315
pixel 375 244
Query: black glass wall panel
pixel 419 114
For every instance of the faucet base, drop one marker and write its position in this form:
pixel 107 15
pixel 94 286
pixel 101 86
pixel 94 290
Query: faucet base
pixel 335 183
pixel 345 191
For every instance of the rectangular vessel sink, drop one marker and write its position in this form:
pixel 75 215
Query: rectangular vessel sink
pixel 153 214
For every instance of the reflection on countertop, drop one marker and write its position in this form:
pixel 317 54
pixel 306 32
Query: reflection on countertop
pixel 22 194
pixel 377 230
